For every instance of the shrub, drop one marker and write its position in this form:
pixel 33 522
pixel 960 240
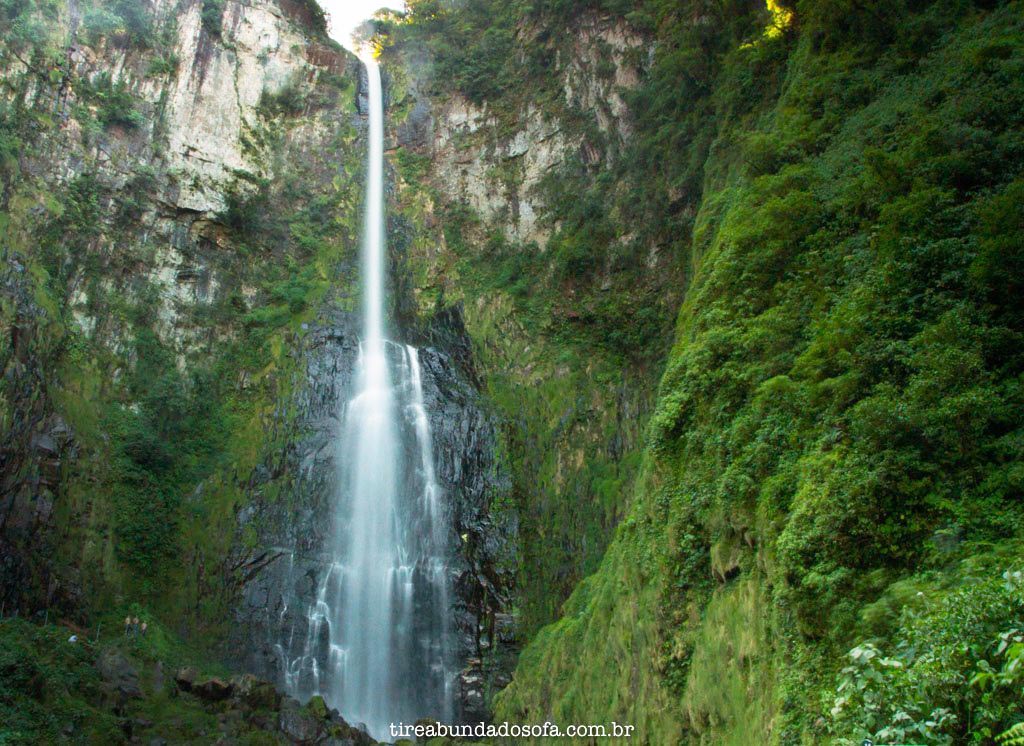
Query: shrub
pixel 937 684
pixel 212 17
pixel 115 104
pixel 289 101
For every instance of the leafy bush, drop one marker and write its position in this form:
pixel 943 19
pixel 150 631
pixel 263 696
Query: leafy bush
pixel 165 64
pixel 27 23
pixel 289 100
pixel 114 102
pixel 1014 736
pixel 212 17
pixel 124 20
pixel 100 22
pixel 48 684
pixel 936 684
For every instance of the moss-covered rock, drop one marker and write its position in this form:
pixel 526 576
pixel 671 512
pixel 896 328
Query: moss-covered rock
pixel 835 416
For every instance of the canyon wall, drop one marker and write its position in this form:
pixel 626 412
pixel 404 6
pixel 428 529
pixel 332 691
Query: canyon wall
pixel 180 184
pixel 804 515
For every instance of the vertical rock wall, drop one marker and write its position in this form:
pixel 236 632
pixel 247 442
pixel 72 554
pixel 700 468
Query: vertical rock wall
pixel 142 148
pixel 284 530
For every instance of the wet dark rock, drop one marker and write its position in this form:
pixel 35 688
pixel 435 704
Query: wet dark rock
pixel 185 678
pixel 416 130
pixel 471 688
pixel 212 689
pixel 119 674
pixel 291 497
pixel 35 445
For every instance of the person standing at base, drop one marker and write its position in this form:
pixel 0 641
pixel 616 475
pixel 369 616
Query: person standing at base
pixel 127 626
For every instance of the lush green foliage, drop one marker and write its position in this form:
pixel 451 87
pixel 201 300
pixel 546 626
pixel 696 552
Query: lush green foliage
pixel 478 48
pixel 125 20
pixel 114 102
pixel 212 17
pixel 953 673
pixel 842 405
pixel 47 683
pixel 52 689
pixel 161 395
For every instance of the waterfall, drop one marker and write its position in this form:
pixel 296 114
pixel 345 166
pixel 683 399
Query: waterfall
pixel 376 643
pixel 369 521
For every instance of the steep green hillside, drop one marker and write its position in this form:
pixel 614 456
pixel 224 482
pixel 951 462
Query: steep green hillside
pixel 524 212
pixel 833 463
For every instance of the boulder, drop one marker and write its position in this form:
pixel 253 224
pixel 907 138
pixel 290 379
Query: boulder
pixel 212 689
pixel 118 672
pixel 186 678
pixel 298 724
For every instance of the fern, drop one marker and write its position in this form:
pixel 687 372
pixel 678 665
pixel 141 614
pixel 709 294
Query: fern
pixel 1012 737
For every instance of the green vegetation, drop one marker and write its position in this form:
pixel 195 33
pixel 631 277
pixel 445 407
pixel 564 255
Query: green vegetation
pixel 115 104
pixel 288 101
pixel 169 372
pixel 810 229
pixel 212 17
pixel 476 47
pixel 952 654
pixel 53 691
pixel 108 688
pixel 839 416
pixel 47 683
pixel 124 21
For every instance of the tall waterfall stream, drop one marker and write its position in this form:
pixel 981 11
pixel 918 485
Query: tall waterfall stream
pixel 383 607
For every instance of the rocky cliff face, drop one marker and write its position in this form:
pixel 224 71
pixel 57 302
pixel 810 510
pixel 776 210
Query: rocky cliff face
pixel 212 112
pixel 496 163
pixel 138 148
pixel 283 544
pixel 183 208
pixel 484 189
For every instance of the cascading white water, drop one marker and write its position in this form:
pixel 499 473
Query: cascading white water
pixel 371 550
pixel 377 635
